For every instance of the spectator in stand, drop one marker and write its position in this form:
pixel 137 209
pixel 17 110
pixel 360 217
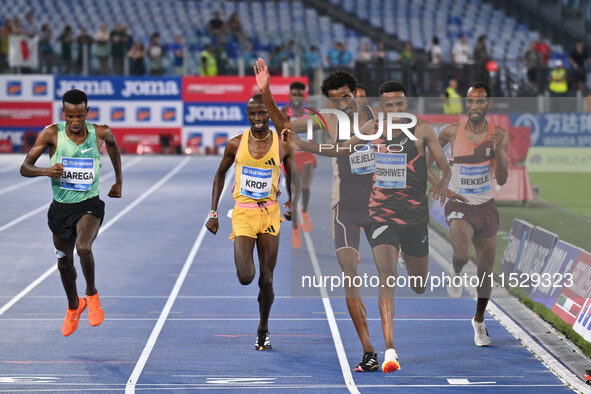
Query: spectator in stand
pixel 235 28
pixel 155 55
pixel 461 52
pixel 339 57
pixel 435 59
pixel 101 49
pixel 118 44
pixel 544 50
pixel 66 39
pixel 208 66
pixel 311 66
pixel 30 26
pixel 5 32
pixel 128 37
pixel 84 41
pixel 333 56
pixel 577 58
pixel 407 60
pixel 178 53
pixel 17 28
pixel 46 50
pixel 137 62
pixel 452 101
pixel 558 88
pixel 365 55
pixel 481 56
pixel 363 64
pixel 533 61
pixel 221 58
pixel 277 57
pixel 249 57
pixel 216 27
pixel 379 55
pixel 461 56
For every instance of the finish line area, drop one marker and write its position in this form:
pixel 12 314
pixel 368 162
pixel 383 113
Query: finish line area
pixel 176 317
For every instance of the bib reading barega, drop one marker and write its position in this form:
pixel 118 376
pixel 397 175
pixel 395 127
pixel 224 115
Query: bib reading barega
pixel 474 179
pixel 256 182
pixel 78 173
pixel 391 170
pixel 363 161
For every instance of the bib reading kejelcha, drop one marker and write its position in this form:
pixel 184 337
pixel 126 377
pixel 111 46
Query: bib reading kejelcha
pixel 362 161
pixel 80 178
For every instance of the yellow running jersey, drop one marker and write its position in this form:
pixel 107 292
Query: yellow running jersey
pixel 256 180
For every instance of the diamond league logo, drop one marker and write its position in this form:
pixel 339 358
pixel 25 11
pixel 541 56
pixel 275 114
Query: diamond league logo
pixel 530 120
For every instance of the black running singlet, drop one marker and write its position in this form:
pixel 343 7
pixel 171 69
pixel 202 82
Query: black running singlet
pixel 399 182
pixel 355 176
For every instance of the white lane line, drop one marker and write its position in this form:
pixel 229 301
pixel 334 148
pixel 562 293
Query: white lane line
pixel 237 319
pixel 21 184
pixel 104 228
pixel 139 366
pixel 45 206
pixel 555 366
pixel 332 323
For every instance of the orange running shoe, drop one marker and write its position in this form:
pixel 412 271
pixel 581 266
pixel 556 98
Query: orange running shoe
pixel 95 312
pixel 391 362
pixel 296 238
pixel 307 225
pixel 73 318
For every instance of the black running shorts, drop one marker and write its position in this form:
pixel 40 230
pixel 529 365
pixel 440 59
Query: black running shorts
pixel 62 218
pixel 412 239
pixel 346 227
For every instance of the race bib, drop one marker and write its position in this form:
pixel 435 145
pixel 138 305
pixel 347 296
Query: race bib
pixel 78 173
pixel 256 182
pixel 363 161
pixel 391 170
pixel 474 179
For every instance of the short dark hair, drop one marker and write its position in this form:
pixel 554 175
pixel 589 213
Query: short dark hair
pixel 338 79
pixel 481 85
pixel 75 96
pixel 360 86
pixel 392 86
pixel 256 97
pixel 297 85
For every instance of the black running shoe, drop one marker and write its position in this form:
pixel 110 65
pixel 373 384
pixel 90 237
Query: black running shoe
pixel 368 364
pixel 263 342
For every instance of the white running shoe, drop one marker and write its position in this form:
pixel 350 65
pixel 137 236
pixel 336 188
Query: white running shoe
pixel 390 363
pixel 452 290
pixel 481 337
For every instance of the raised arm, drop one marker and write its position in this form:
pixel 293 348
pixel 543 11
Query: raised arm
pixel 219 180
pixel 263 78
pixel 439 189
pixel 46 139
pixel 501 147
pixel 104 133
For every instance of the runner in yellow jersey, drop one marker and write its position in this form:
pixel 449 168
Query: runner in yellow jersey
pixel 258 154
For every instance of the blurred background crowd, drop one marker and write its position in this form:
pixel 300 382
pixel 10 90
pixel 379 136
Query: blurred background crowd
pixel 522 48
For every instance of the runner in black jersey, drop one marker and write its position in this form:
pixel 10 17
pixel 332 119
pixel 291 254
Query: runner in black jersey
pixel 353 178
pixel 398 201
